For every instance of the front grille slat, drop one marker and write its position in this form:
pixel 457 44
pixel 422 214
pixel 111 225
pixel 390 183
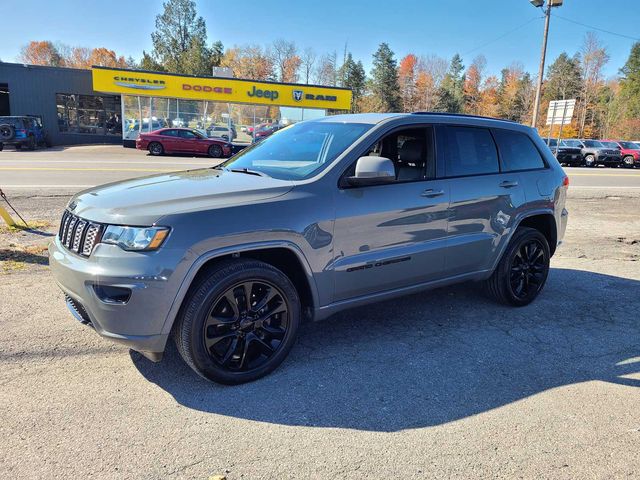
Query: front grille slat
pixel 79 235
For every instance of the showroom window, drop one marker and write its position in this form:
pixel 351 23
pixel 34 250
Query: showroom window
pixel 91 114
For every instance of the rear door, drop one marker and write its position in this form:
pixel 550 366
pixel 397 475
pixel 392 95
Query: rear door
pixel 169 139
pixel 484 200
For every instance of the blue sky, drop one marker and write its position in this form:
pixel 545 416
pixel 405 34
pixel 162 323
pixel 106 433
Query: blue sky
pixel 441 27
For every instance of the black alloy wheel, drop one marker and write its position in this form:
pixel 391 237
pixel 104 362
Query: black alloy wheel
pixel 528 269
pixel 246 325
pixel 239 322
pixel 523 269
pixel 215 151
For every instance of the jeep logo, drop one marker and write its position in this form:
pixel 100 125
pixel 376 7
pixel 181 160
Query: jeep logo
pixel 270 94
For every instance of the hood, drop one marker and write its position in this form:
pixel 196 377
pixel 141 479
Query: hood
pixel 143 201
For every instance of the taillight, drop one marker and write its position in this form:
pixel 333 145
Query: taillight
pixel 565 182
pixel 22 131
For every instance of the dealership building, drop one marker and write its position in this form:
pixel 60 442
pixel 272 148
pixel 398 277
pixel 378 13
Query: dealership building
pixel 105 105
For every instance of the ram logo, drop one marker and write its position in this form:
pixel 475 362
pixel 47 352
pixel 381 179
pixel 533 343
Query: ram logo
pixel 297 95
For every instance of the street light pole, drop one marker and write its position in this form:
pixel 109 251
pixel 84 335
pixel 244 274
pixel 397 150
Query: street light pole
pixel 536 105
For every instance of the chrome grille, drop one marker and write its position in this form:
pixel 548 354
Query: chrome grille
pixel 79 235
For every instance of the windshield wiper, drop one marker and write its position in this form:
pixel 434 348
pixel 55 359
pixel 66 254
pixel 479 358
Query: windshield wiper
pixel 249 172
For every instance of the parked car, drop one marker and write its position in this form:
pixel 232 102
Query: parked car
pixel 630 151
pixel 23 131
pixel 182 140
pixel 221 131
pixel 595 153
pixel 566 155
pixel 326 215
pixel 265 131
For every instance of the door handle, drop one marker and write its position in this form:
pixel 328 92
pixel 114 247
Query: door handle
pixel 509 184
pixel 431 193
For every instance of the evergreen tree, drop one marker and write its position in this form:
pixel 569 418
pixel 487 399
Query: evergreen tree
pixel 353 76
pixel 564 79
pixel 630 83
pixel 450 95
pixel 384 80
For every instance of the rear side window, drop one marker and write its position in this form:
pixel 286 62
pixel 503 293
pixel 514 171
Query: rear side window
pixel 517 151
pixel 469 151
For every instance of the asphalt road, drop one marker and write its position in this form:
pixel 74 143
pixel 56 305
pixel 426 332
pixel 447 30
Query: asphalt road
pixel 87 166
pixel 442 384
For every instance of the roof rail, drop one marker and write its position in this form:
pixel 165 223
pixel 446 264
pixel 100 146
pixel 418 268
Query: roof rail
pixel 463 115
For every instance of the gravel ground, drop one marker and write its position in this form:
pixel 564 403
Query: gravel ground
pixel 444 384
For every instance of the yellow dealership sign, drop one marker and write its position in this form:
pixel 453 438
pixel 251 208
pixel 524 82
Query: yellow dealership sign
pixel 132 82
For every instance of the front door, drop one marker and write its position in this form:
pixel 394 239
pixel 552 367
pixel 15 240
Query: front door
pixel 393 235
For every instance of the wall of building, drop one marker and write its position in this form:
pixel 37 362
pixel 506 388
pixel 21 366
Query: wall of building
pixel 33 89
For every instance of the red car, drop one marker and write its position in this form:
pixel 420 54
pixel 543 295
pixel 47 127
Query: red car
pixel 182 140
pixel 630 151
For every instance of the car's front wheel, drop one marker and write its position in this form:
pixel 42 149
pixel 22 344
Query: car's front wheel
pixel 522 270
pixel 239 322
pixel 590 160
pixel 215 151
pixel 628 161
pixel 156 149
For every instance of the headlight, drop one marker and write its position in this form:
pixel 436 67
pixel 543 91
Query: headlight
pixel 135 238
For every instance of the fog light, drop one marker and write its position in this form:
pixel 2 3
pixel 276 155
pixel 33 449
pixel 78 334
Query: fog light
pixel 109 294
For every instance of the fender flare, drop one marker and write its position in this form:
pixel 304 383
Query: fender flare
pixel 220 252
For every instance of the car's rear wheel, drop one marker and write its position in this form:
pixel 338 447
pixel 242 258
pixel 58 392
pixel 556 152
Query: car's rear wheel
pixel 215 151
pixel 590 161
pixel 628 161
pixel 239 323
pixel 156 149
pixel 523 269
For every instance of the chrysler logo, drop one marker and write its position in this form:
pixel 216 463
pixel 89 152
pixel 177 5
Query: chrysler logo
pixel 297 95
pixel 139 83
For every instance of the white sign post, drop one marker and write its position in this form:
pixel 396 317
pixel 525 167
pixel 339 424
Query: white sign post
pixel 559 112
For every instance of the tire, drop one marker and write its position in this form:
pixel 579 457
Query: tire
pixel 7 132
pixel 242 347
pixel 156 149
pixel 515 268
pixel 590 161
pixel 628 161
pixel 215 151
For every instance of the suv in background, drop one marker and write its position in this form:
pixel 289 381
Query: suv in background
pixel 595 153
pixel 23 131
pixel 566 155
pixel 321 216
pixel 630 151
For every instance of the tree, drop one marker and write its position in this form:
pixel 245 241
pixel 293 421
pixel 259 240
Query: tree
pixel 249 61
pixel 630 89
pixel 450 95
pixel 384 79
pixel 564 79
pixel 431 70
pixel 353 77
pixel 104 57
pixel 147 62
pixel 594 57
pixel 286 60
pixel 179 41
pixel 472 84
pixel 327 70
pixel 308 61
pixel 407 76
pixel 41 53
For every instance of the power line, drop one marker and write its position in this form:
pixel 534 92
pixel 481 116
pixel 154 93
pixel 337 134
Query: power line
pixel 502 36
pixel 596 28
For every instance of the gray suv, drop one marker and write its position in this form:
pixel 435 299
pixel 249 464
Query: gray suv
pixel 321 216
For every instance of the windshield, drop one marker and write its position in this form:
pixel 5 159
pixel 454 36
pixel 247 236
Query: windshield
pixel 630 145
pixel 592 144
pixel 572 143
pixel 610 144
pixel 299 151
pixel 553 142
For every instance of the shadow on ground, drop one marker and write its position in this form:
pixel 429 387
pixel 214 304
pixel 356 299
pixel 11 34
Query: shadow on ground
pixel 432 358
pixel 24 256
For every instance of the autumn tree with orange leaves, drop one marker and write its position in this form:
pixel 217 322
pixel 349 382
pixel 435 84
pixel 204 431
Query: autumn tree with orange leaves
pixel 41 53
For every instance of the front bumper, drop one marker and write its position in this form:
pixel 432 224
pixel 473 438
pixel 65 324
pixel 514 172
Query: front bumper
pixel 137 323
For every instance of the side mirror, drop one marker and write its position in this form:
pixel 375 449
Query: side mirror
pixel 373 171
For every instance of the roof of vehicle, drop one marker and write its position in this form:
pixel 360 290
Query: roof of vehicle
pixel 374 118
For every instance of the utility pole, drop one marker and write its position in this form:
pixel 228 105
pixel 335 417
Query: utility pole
pixel 536 105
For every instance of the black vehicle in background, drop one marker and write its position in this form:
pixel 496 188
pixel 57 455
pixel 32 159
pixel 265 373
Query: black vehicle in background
pixel 595 153
pixel 566 155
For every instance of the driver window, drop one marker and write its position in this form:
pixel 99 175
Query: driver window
pixel 411 151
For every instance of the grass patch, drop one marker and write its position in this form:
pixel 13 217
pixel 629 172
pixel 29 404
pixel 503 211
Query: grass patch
pixel 19 227
pixel 17 258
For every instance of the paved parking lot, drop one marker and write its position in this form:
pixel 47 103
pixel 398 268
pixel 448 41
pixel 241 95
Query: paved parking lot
pixel 443 384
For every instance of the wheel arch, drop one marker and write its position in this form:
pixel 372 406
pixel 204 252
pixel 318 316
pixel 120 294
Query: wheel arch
pixel 285 256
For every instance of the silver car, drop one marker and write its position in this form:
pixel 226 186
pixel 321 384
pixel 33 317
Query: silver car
pixel 322 216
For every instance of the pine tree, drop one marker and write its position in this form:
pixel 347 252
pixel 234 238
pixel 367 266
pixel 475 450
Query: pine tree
pixel 384 80
pixel 564 79
pixel 630 83
pixel 352 76
pixel 450 95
